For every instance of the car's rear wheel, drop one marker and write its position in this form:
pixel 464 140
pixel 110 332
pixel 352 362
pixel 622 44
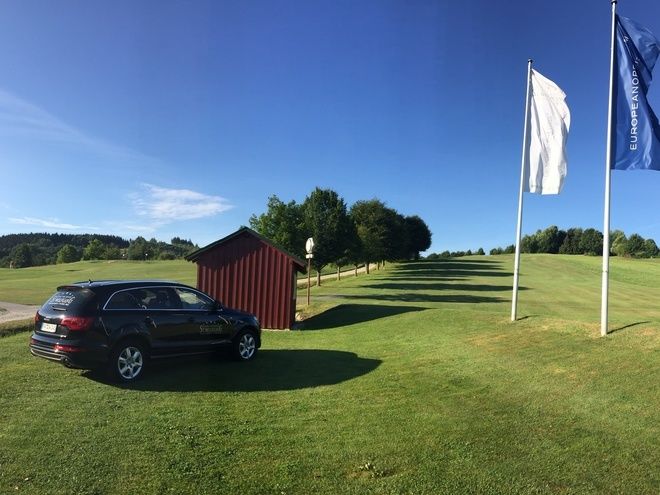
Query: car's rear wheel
pixel 128 361
pixel 245 346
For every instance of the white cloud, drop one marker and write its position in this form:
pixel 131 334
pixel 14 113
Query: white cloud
pixel 52 223
pixel 128 229
pixel 170 205
pixel 19 117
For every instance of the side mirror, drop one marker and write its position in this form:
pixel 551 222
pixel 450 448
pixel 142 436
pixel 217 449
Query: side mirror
pixel 217 306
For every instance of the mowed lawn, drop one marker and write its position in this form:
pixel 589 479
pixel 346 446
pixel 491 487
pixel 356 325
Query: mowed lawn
pixel 36 284
pixel 413 381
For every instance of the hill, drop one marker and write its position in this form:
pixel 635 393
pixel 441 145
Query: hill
pixel 44 246
pixel 35 284
pixel 36 249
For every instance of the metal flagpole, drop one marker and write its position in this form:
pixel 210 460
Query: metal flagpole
pixel 608 180
pixel 516 263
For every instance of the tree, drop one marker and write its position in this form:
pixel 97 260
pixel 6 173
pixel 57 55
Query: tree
pixel 550 240
pixel 283 224
pixel 635 246
pixel 182 242
pixel 327 221
pixel 418 236
pixel 178 248
pixel 139 249
pixel 95 250
pixel 112 252
pixel 591 242
pixel 650 248
pixel 370 222
pixel 619 243
pixel 529 244
pixel 481 252
pixel 68 254
pixel 21 256
pixel 396 239
pixel 572 240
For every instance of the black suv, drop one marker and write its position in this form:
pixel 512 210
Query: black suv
pixel 121 325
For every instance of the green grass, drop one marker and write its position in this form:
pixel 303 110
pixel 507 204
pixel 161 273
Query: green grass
pixel 411 381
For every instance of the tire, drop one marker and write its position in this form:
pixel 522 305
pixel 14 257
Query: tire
pixel 244 347
pixel 128 361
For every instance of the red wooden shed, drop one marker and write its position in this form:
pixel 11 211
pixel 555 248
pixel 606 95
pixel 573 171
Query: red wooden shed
pixel 247 271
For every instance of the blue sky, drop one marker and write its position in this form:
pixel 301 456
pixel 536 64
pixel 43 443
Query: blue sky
pixel 177 118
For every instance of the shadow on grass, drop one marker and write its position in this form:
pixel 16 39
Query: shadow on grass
pixel 410 278
pixel 443 286
pixel 272 370
pixel 614 330
pixel 423 265
pixel 526 317
pixel 451 273
pixel 349 314
pixel 428 298
pixel 454 268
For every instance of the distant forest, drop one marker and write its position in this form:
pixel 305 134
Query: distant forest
pixel 553 240
pixel 24 250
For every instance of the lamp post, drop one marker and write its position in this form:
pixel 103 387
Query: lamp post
pixel 309 247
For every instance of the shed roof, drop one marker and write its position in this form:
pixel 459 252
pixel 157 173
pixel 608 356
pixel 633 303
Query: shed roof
pixel 195 255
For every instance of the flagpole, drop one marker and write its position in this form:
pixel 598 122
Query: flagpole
pixel 608 181
pixel 516 263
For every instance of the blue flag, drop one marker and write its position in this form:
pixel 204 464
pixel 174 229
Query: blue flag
pixel 636 144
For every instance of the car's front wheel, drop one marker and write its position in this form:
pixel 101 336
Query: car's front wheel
pixel 128 361
pixel 244 346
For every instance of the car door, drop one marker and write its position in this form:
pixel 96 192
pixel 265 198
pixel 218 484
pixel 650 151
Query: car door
pixel 207 325
pixel 165 321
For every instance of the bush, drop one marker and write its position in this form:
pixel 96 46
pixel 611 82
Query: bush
pixel 68 254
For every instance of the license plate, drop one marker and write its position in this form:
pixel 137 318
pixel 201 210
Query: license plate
pixel 48 327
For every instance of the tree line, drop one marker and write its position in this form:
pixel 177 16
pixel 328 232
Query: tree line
pixel 24 250
pixel 367 232
pixel 587 242
pixel 456 254
pixel 554 240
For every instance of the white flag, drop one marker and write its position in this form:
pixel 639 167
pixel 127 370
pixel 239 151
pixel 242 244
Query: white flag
pixel 549 121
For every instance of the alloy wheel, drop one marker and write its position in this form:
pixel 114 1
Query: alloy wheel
pixel 246 346
pixel 130 363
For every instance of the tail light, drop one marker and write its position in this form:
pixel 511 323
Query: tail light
pixel 77 323
pixel 67 348
pixel 36 317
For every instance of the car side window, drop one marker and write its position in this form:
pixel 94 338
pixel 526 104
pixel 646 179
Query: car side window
pixel 194 300
pixel 123 300
pixel 145 298
pixel 162 298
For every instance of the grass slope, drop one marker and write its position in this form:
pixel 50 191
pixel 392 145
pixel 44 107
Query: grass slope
pixel 414 381
pixel 36 284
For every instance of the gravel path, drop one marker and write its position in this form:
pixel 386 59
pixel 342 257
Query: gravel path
pixel 16 311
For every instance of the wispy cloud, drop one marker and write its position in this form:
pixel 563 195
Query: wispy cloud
pixel 129 229
pixel 170 205
pixel 52 223
pixel 19 117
